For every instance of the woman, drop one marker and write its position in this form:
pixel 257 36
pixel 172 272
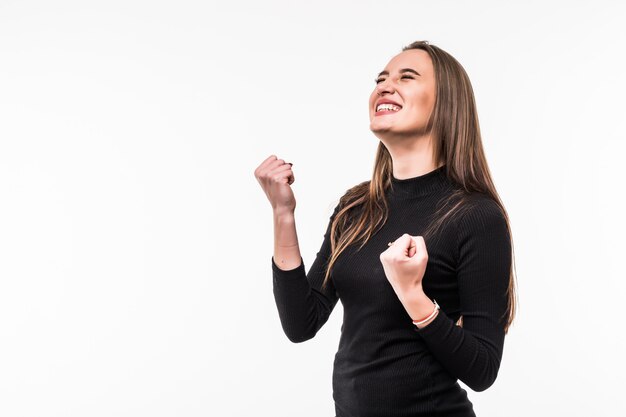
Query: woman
pixel 420 256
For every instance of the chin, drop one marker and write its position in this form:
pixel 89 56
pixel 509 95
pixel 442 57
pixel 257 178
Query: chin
pixel 381 127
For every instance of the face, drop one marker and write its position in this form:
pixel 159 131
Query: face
pixel 409 81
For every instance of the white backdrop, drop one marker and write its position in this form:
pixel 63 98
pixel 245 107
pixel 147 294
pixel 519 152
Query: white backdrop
pixel 135 242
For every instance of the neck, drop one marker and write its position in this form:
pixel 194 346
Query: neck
pixel 411 157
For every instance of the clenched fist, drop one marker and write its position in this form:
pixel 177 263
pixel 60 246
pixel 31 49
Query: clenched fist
pixel 276 176
pixel 404 263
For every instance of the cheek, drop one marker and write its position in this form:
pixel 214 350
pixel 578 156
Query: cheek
pixel 425 100
pixel 421 108
pixel 424 103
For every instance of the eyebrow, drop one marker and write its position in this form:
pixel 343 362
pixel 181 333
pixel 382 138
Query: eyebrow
pixel 402 70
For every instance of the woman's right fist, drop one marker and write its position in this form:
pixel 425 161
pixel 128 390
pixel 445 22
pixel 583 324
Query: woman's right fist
pixel 275 176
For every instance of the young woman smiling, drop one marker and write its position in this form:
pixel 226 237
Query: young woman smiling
pixel 420 256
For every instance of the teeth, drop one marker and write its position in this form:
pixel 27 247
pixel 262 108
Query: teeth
pixel 388 107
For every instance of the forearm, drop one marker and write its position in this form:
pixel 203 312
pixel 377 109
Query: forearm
pixel 418 305
pixel 468 356
pixel 303 305
pixel 286 249
pixel 465 353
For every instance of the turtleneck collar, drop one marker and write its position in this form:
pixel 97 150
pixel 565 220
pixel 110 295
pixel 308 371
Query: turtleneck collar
pixel 418 186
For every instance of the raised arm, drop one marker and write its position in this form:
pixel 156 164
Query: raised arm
pixel 303 306
pixel 472 353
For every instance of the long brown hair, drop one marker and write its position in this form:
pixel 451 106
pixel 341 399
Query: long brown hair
pixel 457 144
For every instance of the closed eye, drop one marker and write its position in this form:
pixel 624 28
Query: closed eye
pixel 379 80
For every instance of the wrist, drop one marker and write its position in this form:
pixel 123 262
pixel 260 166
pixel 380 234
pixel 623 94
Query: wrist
pixel 284 216
pixel 427 320
pixel 418 305
pixel 413 293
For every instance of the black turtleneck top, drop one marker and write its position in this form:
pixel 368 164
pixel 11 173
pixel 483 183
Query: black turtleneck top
pixel 385 366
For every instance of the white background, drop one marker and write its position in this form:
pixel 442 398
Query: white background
pixel 135 242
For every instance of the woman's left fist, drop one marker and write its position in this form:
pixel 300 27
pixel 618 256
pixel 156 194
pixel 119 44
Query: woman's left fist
pixel 404 263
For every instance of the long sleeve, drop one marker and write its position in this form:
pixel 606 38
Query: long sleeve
pixel 303 306
pixel 472 353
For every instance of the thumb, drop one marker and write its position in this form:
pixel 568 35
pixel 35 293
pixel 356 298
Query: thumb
pixel 412 247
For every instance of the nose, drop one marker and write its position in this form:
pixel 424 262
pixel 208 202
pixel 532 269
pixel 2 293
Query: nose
pixel 384 87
